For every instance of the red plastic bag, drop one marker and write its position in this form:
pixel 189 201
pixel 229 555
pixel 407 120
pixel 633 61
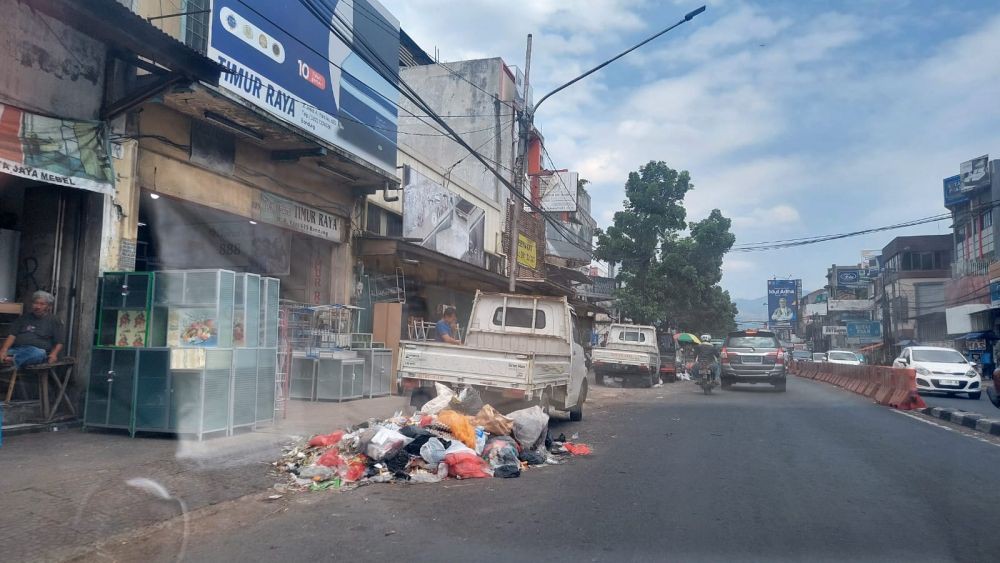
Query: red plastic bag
pixel 577 449
pixel 355 469
pixel 467 465
pixel 326 440
pixel 330 459
pixel 426 421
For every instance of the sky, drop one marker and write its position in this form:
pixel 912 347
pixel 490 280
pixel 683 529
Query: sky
pixel 794 118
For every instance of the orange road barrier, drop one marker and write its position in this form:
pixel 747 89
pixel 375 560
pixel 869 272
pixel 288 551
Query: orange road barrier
pixel 893 387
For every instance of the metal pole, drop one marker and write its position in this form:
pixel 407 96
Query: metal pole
pixel 522 171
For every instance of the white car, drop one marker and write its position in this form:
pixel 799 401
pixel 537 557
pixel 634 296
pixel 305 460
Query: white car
pixel 941 369
pixel 842 357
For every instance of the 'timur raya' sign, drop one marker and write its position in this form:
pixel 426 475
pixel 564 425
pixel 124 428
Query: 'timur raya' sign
pixel 276 210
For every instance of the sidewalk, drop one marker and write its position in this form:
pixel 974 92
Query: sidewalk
pixel 64 490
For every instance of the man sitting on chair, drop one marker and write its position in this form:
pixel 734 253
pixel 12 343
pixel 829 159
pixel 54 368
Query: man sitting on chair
pixel 35 336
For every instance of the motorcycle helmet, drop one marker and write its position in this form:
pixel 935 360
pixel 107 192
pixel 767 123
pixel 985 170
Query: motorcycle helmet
pixel 705 337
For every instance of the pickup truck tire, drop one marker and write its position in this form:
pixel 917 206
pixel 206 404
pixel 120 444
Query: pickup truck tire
pixel 599 378
pixel 419 397
pixel 647 382
pixel 780 386
pixel 576 413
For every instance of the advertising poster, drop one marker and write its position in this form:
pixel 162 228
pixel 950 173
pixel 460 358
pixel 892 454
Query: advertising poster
pixel 192 327
pixel 302 67
pixel 782 303
pixel 975 173
pixel 64 152
pixel 130 331
pixel 559 191
pixel 441 220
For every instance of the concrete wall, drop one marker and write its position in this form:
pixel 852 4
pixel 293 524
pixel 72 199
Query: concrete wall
pixel 48 67
pixel 165 168
pixel 485 122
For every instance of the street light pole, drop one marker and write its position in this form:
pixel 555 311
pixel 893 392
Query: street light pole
pixel 527 119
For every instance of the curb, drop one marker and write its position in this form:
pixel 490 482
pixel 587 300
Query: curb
pixel 972 420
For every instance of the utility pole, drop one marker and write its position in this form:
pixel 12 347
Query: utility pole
pixel 526 123
pixel 524 127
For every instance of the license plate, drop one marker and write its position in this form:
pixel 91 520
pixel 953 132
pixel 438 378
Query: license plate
pixel 951 383
pixel 752 359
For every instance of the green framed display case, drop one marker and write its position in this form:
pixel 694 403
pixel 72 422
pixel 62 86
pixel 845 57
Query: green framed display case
pixel 124 315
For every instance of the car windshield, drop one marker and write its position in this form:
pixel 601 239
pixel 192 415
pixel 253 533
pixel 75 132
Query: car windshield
pixel 844 356
pixel 939 356
pixel 752 342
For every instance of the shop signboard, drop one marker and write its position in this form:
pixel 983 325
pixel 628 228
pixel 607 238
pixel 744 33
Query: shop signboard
pixel 853 277
pixel 527 252
pixel 599 288
pixel 869 329
pixel 558 190
pixel 834 330
pixel 782 303
pixel 816 310
pixel 953 194
pixel 441 220
pixel 64 152
pixel 276 210
pixel 314 80
pixel 849 305
pixel 975 173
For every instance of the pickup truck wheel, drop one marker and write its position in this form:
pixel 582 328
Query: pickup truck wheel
pixel 647 382
pixel 419 397
pixel 726 384
pixel 599 378
pixel 780 386
pixel 576 413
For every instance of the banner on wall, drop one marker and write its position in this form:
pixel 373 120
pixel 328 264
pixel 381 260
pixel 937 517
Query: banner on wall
pixel 441 220
pixel 64 152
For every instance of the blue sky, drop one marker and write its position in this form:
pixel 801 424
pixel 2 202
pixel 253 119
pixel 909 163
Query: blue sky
pixel 794 118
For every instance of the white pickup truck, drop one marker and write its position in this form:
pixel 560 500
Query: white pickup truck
pixel 518 348
pixel 627 351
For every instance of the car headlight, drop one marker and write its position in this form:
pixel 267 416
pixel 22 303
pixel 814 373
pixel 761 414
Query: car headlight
pixel 972 373
pixel 922 370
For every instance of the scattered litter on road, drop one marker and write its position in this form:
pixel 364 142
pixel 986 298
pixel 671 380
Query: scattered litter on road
pixel 453 436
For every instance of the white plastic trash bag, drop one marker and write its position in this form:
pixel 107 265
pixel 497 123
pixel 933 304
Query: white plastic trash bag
pixel 433 451
pixel 386 442
pixel 529 426
pixel 439 403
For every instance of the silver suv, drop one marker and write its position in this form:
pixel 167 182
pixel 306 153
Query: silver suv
pixel 753 356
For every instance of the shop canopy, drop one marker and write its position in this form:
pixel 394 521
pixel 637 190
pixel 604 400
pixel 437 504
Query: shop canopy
pixel 65 152
pixel 980 335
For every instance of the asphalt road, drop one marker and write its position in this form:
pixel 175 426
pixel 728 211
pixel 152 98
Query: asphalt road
pixel 816 473
pixel 983 406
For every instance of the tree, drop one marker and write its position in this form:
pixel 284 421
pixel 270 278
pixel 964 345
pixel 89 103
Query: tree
pixel 670 269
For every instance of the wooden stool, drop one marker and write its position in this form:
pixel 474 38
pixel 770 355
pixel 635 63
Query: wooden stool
pixel 44 372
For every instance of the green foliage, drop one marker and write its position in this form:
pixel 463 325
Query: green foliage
pixel 668 278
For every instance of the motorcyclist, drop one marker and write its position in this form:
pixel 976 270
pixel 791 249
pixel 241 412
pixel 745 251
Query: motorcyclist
pixel 706 352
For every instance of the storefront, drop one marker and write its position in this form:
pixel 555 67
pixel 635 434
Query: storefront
pixel 54 174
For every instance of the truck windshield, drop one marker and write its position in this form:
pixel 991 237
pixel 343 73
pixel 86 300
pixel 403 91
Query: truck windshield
pixel 631 336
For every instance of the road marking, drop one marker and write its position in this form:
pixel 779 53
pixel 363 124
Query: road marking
pixel 948 428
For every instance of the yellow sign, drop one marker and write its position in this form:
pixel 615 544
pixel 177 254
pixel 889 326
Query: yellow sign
pixel 527 253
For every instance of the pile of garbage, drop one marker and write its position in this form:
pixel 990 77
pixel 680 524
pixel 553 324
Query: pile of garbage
pixel 452 435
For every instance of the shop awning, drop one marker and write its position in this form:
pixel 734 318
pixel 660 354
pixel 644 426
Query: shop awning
pixel 122 29
pixel 980 335
pixel 386 255
pixel 64 152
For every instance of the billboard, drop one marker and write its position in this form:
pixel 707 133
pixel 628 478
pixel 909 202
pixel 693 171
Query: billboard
pixel 782 303
pixel 314 80
pixel 849 305
pixel 558 190
pixel 851 278
pixel 975 173
pixel 441 220
pixel 864 329
pixel 571 241
pixel 953 194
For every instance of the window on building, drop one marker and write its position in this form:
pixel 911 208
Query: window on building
pixel 373 221
pixel 987 233
pixel 393 224
pixel 196 17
